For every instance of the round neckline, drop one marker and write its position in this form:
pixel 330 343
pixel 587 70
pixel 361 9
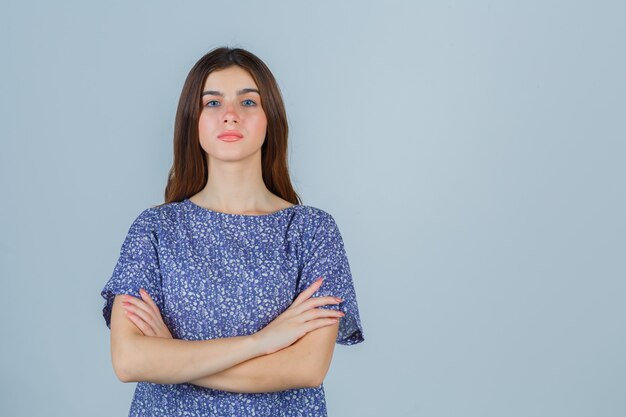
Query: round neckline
pixel 221 213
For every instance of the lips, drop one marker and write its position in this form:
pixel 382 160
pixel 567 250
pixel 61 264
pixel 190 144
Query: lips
pixel 230 134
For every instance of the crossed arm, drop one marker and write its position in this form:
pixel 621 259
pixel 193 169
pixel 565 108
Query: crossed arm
pixel 230 364
pixel 301 365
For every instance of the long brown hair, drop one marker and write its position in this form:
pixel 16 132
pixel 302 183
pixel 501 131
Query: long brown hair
pixel 189 172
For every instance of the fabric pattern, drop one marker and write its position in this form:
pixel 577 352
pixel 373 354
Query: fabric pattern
pixel 215 275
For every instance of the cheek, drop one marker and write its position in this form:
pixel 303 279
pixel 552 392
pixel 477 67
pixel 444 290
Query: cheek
pixel 259 123
pixel 207 122
pixel 206 129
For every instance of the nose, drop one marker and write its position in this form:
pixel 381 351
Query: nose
pixel 230 115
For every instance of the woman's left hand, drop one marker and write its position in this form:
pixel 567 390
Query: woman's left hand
pixel 145 314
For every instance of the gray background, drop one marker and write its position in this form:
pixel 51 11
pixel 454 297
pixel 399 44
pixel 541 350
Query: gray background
pixel 472 154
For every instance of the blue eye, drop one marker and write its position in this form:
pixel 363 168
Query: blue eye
pixel 251 103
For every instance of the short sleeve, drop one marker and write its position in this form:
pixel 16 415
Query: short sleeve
pixel 326 257
pixel 137 266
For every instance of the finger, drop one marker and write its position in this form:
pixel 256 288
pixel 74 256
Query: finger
pixel 146 316
pixel 138 302
pixel 142 325
pixel 308 292
pixel 318 313
pixel 316 324
pixel 146 297
pixel 320 301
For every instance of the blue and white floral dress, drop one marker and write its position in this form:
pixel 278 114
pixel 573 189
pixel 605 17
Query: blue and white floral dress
pixel 215 275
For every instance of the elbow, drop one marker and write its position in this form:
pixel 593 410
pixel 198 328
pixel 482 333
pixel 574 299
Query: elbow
pixel 315 381
pixel 318 370
pixel 123 364
pixel 315 377
pixel 124 372
pixel 121 373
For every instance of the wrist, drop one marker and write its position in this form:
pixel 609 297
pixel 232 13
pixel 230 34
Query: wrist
pixel 256 347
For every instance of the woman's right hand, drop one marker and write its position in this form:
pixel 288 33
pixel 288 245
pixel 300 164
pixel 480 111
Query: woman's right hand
pixel 298 319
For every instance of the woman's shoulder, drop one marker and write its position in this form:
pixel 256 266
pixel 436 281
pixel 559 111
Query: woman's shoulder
pixel 307 212
pixel 312 219
pixel 303 211
pixel 314 213
pixel 173 213
pixel 156 216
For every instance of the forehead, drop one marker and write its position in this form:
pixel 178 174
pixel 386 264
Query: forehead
pixel 229 80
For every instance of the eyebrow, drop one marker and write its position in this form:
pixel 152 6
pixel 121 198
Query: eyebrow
pixel 240 92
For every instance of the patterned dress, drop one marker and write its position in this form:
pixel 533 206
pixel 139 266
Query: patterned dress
pixel 216 275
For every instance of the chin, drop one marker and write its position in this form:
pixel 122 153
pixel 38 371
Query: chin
pixel 232 155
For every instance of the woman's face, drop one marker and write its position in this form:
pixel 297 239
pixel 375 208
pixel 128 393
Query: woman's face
pixel 229 104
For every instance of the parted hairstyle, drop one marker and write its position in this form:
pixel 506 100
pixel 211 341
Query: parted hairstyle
pixel 189 172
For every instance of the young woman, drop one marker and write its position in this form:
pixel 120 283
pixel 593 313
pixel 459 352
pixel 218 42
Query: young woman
pixel 215 305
